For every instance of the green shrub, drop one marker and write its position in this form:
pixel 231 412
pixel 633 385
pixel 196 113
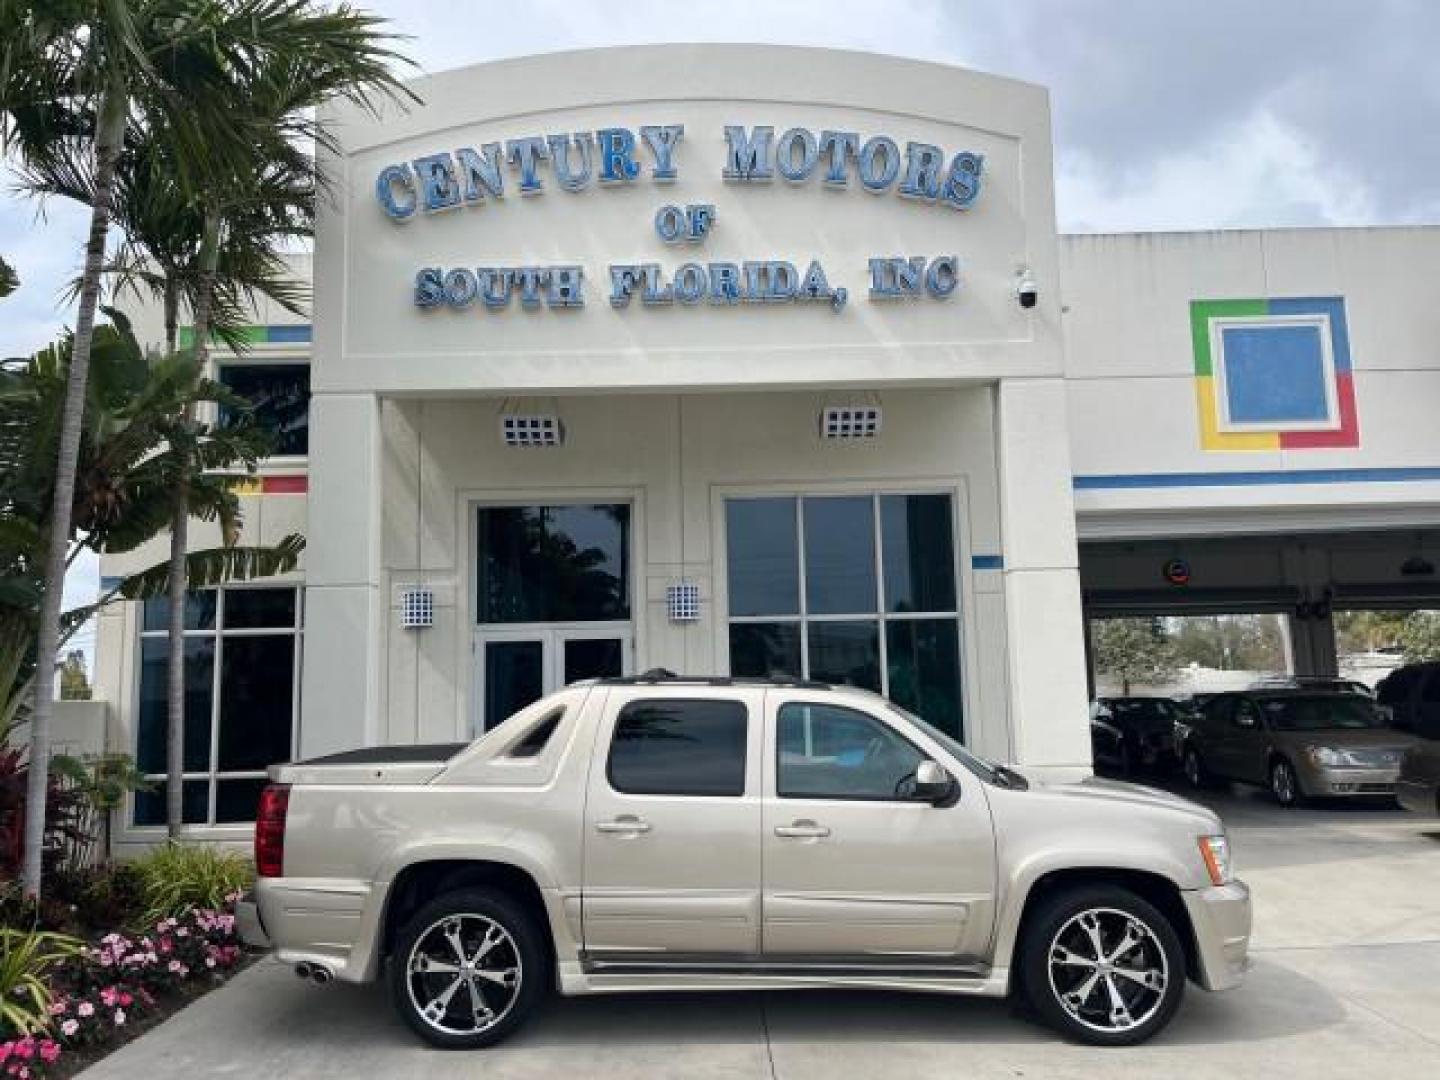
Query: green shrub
pixel 178 877
pixel 26 958
pixel 101 898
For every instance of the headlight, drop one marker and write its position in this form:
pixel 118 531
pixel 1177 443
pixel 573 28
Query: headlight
pixel 1215 850
pixel 1333 758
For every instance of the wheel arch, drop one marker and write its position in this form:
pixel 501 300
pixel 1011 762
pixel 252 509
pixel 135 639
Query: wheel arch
pixel 419 882
pixel 1157 889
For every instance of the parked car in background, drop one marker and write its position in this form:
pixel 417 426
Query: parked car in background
pixel 1133 733
pixel 1412 694
pixel 1418 787
pixel 1298 743
pixel 611 838
pixel 1313 682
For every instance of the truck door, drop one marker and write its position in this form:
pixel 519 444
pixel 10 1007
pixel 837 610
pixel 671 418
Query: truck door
pixel 672 824
pixel 855 867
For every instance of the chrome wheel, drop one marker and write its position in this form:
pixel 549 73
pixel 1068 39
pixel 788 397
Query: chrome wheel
pixel 1282 783
pixel 1108 970
pixel 463 974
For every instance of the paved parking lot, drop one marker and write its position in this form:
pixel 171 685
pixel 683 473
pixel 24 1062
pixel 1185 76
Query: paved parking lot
pixel 1346 983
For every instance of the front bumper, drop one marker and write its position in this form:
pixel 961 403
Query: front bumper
pixel 249 924
pixel 1221 918
pixel 1419 797
pixel 1327 782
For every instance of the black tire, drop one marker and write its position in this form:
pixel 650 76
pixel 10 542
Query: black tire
pixel 1193 766
pixel 519 947
pixel 1284 784
pixel 1157 955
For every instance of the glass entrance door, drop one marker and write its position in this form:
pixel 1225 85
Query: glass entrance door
pixel 552 601
pixel 514 667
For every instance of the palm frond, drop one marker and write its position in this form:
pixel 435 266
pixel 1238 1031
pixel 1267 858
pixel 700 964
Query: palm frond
pixel 216 566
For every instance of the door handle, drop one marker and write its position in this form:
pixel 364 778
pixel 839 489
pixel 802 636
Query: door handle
pixel 626 823
pixel 803 829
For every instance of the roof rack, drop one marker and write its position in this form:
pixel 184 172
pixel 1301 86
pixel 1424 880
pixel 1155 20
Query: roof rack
pixel 665 677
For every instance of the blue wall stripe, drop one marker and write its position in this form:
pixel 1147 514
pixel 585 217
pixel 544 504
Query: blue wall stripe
pixel 987 562
pixel 1130 481
pixel 288 334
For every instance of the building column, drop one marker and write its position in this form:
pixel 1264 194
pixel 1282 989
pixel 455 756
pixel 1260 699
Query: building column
pixel 1048 704
pixel 339 699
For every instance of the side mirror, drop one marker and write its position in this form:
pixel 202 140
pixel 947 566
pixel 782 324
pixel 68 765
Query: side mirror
pixel 934 785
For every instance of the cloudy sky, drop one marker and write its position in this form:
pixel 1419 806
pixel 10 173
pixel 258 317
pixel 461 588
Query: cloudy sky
pixel 1168 114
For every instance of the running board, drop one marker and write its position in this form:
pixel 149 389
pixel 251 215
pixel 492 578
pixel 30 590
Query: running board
pixel 848 967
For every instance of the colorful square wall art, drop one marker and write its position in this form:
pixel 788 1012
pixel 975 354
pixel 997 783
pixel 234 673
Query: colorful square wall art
pixel 1273 374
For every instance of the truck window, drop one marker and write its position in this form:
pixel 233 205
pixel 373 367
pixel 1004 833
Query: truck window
pixel 829 752
pixel 679 747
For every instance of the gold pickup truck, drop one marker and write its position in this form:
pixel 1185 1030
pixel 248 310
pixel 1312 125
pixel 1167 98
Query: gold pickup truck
pixel 660 833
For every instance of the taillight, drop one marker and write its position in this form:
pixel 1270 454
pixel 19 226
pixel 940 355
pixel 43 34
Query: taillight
pixel 270 830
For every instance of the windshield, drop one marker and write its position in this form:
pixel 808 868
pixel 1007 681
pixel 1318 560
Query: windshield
pixel 985 770
pixel 1328 713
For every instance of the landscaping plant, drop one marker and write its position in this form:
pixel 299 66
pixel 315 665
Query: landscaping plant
pixel 182 877
pixel 28 958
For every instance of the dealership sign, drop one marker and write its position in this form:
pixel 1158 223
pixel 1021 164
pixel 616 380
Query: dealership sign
pixel 574 162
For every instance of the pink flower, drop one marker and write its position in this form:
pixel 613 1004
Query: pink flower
pixel 49 1051
pixel 175 966
pixel 57 1007
pixel 109 996
pixel 25 1048
pixel 119 1017
pixel 126 999
pixel 5 1050
pixel 69 1027
pixel 85 1009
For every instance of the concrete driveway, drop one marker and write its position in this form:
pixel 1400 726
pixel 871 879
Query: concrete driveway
pixel 1346 983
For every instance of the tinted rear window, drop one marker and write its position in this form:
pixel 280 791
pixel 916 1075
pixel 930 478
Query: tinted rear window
pixel 682 747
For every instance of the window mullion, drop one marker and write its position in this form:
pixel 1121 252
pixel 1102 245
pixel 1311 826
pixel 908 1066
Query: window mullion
pixel 880 601
pixel 803 597
pixel 215 705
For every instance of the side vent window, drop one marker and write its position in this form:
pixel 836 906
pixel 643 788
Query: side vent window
pixel 534 741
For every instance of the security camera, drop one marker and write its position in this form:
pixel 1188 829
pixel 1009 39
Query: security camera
pixel 1026 291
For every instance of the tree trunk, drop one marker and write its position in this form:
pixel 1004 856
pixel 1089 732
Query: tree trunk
pixel 108 138
pixel 179 539
pixel 172 311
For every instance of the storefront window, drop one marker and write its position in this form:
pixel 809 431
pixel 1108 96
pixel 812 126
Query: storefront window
pixel 854 590
pixel 280 396
pixel 241 667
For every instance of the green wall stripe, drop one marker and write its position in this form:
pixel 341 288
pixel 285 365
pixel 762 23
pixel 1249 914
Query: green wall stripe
pixel 1202 311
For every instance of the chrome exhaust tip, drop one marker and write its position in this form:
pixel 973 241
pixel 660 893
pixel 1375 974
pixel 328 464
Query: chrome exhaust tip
pixel 302 970
pixel 320 975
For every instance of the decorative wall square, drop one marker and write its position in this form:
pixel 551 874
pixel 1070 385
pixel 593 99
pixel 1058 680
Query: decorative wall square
pixel 1273 374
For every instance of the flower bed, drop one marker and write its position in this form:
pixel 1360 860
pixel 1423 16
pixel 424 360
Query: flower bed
pixel 119 985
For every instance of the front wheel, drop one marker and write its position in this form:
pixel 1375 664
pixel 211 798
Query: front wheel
pixel 468 969
pixel 1103 966
pixel 1283 783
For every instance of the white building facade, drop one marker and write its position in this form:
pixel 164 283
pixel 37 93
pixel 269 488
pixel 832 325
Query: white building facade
pixel 758 361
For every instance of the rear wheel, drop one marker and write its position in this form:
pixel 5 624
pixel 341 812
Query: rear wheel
pixel 1283 783
pixel 468 969
pixel 1103 966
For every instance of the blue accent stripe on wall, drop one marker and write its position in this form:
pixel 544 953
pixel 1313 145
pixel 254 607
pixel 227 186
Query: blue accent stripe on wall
pixel 987 562
pixel 1131 481
pixel 292 334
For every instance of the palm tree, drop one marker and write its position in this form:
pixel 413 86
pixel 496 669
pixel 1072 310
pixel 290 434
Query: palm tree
pixel 122 495
pixel 78 74
pixel 74 73
pixel 247 211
